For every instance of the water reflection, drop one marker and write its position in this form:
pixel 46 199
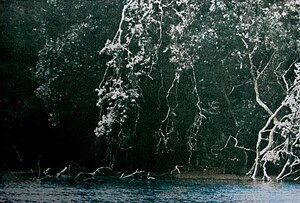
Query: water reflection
pixel 160 190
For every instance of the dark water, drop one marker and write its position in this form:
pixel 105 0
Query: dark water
pixel 159 190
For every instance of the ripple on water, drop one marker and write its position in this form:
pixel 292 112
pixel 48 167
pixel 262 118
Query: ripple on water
pixel 160 190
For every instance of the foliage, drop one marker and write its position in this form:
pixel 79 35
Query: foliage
pixel 69 58
pixel 202 83
pixel 145 31
pixel 246 44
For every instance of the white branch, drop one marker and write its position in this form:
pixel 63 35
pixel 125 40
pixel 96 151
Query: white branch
pixel 62 171
pixel 235 144
pixel 176 169
pixel 132 174
pixel 280 176
pixel 266 176
pixel 245 43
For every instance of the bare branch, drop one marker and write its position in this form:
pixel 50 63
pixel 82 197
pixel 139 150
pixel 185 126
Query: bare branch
pixel 62 171
pixel 270 140
pixel 132 174
pixel 235 144
pixel 99 169
pixel 281 176
pixel 245 43
pixel 150 177
pixel 266 66
pixel 176 169
pixel 266 176
pixel 259 139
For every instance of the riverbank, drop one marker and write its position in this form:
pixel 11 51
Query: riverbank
pixel 185 175
pixel 206 176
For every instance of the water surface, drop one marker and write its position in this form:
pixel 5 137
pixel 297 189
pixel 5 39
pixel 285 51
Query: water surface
pixel 114 189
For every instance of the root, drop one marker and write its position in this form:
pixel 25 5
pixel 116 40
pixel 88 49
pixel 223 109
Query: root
pixel 265 176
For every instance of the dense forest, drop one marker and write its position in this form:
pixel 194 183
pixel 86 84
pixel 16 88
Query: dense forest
pixel 151 84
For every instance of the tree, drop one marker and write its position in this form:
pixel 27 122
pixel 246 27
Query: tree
pixel 267 55
pixel 181 81
pixel 146 31
pixel 247 44
pixel 69 67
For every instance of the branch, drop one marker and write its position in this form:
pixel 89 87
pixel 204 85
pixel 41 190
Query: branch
pixel 46 172
pixel 266 66
pixel 18 154
pixel 62 171
pixel 132 174
pixel 270 140
pixel 259 139
pixel 266 176
pixel 150 177
pixel 297 178
pixel 119 32
pixel 283 75
pixel 99 169
pixel 235 145
pixel 164 132
pixel 256 87
pixel 229 105
pixel 280 176
pixel 176 169
pixel 245 43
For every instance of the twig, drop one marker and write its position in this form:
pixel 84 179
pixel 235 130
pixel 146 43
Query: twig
pixel 297 178
pixel 280 176
pixel 79 174
pixel 18 154
pixel 176 169
pixel 132 174
pixel 46 171
pixel 149 177
pixel 60 173
pixel 99 169
pixel 235 145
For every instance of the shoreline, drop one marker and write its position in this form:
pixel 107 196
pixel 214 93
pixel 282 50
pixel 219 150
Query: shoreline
pixel 206 177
